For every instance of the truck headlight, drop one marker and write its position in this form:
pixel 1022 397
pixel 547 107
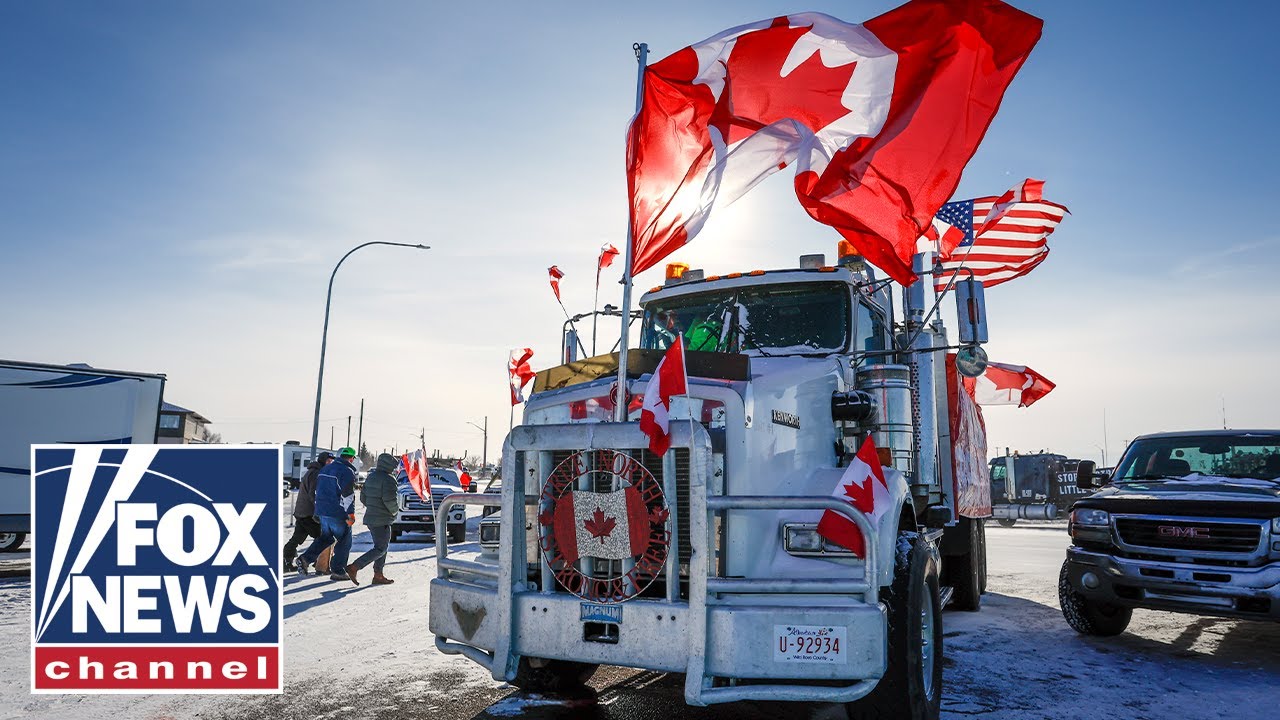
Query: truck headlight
pixel 1090 517
pixel 1275 527
pixel 489 533
pixel 801 538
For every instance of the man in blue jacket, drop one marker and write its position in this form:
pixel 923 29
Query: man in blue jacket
pixel 335 507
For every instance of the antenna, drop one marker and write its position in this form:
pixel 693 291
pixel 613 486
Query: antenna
pixel 1223 400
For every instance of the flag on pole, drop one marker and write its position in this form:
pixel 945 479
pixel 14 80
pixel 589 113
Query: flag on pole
pixel 1008 385
pixel 415 469
pixel 607 254
pixel 519 373
pixel 878 119
pixel 863 486
pixel 669 379
pixel 1000 238
pixel 555 275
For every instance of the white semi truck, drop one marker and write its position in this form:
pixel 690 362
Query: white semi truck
pixel 64 404
pixel 706 560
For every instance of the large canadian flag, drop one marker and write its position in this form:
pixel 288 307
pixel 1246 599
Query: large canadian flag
pixel 415 468
pixel 878 120
pixel 1008 385
pixel 862 485
pixel 611 526
pixel 669 379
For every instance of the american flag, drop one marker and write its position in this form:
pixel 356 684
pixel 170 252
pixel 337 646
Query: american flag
pixel 1008 248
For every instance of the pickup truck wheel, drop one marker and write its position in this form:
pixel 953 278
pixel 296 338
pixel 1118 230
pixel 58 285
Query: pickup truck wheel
pixel 539 675
pixel 1090 617
pixel 395 535
pixel 1007 522
pixel 964 572
pixel 10 542
pixel 912 684
pixel 457 533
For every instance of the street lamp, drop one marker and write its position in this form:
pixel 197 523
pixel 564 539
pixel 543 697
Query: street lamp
pixel 484 453
pixel 324 336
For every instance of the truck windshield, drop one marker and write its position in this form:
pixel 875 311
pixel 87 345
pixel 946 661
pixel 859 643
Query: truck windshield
pixel 770 320
pixel 1222 455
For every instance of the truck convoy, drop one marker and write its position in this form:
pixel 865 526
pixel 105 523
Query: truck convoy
pixel 706 560
pixel 64 404
pixel 1038 486
pixel 1189 522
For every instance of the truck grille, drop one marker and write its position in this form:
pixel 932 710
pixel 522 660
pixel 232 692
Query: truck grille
pixel 1189 534
pixel 416 504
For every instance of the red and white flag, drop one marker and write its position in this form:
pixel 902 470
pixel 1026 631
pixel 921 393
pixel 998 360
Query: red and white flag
pixel 610 526
pixel 519 373
pixel 415 469
pixel 863 486
pixel 669 379
pixel 1008 385
pixel 555 275
pixel 1027 191
pixel 1001 238
pixel 878 119
pixel 607 254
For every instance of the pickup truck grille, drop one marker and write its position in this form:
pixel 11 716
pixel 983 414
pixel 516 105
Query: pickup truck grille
pixel 1189 534
pixel 417 504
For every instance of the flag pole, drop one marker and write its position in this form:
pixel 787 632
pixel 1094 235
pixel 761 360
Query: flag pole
pixel 595 310
pixel 620 409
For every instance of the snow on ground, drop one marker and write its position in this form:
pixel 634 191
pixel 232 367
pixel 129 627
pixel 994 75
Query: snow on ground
pixel 357 653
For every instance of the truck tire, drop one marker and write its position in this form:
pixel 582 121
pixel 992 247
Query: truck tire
pixel 982 569
pixel 911 688
pixel 537 675
pixel 964 572
pixel 457 533
pixel 1007 522
pixel 10 542
pixel 395 535
pixel 1090 617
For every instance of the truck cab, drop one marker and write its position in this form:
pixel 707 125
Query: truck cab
pixel 706 560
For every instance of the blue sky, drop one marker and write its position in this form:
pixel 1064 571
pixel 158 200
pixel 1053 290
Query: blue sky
pixel 177 180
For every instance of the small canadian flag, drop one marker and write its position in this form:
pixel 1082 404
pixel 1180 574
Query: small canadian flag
pixel 610 526
pixel 669 379
pixel 862 485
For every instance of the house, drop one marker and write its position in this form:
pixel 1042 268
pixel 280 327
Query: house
pixel 179 425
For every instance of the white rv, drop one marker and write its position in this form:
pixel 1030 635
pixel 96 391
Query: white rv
pixel 64 404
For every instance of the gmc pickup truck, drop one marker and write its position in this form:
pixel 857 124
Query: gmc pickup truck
pixel 1189 522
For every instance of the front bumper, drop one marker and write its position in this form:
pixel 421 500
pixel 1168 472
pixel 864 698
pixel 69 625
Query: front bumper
pixel 1201 589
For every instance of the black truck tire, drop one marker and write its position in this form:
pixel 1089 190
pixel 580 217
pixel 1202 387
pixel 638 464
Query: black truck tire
pixel 537 675
pixel 10 542
pixel 964 572
pixel 1007 522
pixel 457 533
pixel 982 569
pixel 911 688
pixel 1090 617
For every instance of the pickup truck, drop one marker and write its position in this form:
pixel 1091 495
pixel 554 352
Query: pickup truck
pixel 1188 522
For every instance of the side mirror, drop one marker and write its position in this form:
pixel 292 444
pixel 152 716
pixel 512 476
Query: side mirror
pixel 1084 474
pixel 971 311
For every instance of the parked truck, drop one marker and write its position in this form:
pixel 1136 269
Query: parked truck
pixel 705 560
pixel 64 404
pixel 1036 486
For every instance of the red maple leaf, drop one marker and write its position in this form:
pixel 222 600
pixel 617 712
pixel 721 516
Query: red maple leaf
pixel 599 526
pixel 862 496
pixel 659 516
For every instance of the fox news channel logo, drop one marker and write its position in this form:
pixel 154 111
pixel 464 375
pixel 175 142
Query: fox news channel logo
pixel 156 569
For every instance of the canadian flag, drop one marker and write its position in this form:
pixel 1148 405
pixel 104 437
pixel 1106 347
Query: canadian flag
pixel 863 486
pixel 607 254
pixel 669 379
pixel 610 526
pixel 554 275
pixel 519 373
pixel 878 120
pixel 415 468
pixel 1008 385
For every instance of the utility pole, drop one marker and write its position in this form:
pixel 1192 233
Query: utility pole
pixel 349 432
pixel 360 435
pixel 484 453
pixel 330 437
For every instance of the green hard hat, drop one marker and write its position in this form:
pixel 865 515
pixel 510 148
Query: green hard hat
pixel 347 452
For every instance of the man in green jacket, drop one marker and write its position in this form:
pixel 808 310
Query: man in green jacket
pixel 381 501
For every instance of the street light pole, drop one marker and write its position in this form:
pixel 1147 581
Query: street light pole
pixel 324 336
pixel 484 452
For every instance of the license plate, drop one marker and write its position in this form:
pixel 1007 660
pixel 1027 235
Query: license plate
pixel 810 643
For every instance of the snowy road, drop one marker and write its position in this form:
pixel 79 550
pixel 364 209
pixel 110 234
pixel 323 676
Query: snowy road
pixel 364 653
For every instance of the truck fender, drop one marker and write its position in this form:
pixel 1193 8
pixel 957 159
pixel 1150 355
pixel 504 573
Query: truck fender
pixel 900 516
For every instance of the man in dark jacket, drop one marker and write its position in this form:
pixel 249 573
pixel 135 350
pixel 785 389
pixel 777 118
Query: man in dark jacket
pixel 381 498
pixel 335 507
pixel 305 525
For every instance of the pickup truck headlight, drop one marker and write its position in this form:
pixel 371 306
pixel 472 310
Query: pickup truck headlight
pixel 1090 517
pixel 1275 528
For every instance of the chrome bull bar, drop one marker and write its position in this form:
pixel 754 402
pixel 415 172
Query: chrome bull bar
pixel 527 464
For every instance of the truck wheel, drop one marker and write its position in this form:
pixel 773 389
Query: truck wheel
pixel 912 684
pixel 10 542
pixel 964 572
pixel 982 568
pixel 538 675
pixel 395 535
pixel 457 533
pixel 1007 522
pixel 1089 617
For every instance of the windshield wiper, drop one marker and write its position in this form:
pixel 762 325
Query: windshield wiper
pixel 1154 476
